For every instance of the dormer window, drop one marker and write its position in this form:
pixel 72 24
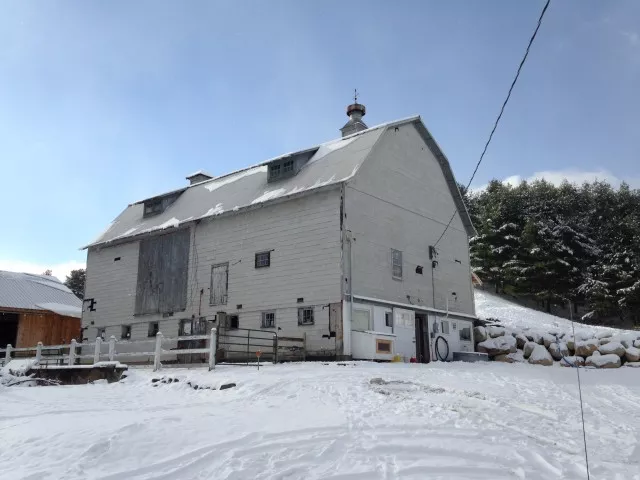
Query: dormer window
pixel 157 205
pixel 289 166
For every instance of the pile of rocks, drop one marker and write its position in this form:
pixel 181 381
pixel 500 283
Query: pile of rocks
pixel 589 348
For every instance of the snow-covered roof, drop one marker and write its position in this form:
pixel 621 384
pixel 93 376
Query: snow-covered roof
pixel 37 292
pixel 332 163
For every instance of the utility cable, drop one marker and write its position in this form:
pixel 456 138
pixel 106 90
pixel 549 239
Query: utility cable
pixel 495 125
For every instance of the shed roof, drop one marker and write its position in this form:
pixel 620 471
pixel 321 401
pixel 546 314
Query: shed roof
pixel 37 292
pixel 332 163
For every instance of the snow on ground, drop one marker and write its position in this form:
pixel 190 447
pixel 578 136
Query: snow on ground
pixel 353 421
pixel 517 317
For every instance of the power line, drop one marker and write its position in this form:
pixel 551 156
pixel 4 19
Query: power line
pixel 504 104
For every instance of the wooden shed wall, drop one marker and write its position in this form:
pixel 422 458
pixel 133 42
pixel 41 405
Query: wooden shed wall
pixel 46 327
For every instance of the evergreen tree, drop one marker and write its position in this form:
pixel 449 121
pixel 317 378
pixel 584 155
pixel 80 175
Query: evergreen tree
pixel 75 282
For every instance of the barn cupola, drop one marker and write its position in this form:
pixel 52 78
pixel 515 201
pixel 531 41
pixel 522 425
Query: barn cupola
pixel 198 177
pixel 355 112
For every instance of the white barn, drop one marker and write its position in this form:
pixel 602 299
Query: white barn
pixel 334 242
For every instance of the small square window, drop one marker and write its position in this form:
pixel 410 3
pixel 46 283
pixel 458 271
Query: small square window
pixel 234 322
pixel 154 328
pixel 388 319
pixel 126 332
pixel 396 264
pixel 274 171
pixel 305 316
pixel 465 334
pixel 101 333
pixel 185 328
pixel 268 319
pixel 383 346
pixel 263 259
pixel 287 166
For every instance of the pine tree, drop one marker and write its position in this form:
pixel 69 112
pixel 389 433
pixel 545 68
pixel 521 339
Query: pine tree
pixel 75 282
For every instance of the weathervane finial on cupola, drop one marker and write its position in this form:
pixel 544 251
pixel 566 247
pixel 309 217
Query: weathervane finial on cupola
pixel 355 112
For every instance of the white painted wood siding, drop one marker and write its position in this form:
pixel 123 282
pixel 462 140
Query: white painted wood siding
pixel 303 235
pixel 400 199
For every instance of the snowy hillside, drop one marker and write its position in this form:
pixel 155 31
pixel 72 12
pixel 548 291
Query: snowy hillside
pixel 517 317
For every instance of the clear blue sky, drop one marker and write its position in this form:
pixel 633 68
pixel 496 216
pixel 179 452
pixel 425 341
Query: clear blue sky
pixel 105 103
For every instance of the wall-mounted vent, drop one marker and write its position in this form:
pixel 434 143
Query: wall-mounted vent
pixel 286 167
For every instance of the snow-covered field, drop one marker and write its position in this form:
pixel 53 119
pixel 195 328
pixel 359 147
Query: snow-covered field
pixel 355 420
pixel 312 421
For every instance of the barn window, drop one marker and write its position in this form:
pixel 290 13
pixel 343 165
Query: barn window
pixel 305 316
pixel 126 332
pixel 268 319
pixel 396 264
pixel 157 205
pixel 274 171
pixel 361 319
pixel 219 283
pixel 263 259
pixel 445 327
pixel 465 334
pixel 162 273
pixel 101 333
pixel 234 322
pixel 154 328
pixel 388 319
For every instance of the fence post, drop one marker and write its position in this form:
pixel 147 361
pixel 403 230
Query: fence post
pixel 158 353
pixel 304 347
pixel 112 348
pixel 275 348
pixel 39 352
pixel 212 349
pixel 248 341
pixel 96 352
pixel 7 353
pixel 72 352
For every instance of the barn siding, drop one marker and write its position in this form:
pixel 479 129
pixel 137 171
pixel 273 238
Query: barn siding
pixel 303 236
pixel 400 199
pixel 48 328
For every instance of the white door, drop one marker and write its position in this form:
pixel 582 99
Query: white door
pixel 404 327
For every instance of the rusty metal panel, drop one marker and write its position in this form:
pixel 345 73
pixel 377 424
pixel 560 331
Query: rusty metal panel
pixel 162 273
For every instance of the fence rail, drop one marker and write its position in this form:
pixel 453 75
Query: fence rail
pixel 226 345
pixel 75 351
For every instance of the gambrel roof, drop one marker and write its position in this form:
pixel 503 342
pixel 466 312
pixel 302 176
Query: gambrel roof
pixel 330 163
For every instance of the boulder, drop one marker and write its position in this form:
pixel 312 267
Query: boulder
pixel 596 354
pixel 632 354
pixel 558 350
pixel 494 331
pixel 612 347
pixel 528 348
pixel 521 340
pixel 574 361
pixel 495 346
pixel 610 360
pixel 602 335
pixel 480 334
pixel 632 364
pixel 586 348
pixel 548 339
pixel 627 339
pixel 540 356
pixel 584 335
pixel 571 343
pixel 510 358
pixel 604 341
pixel 636 343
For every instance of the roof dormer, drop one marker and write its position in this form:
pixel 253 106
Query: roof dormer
pixel 289 165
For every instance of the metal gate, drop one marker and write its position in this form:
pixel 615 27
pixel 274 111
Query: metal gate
pixel 240 346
